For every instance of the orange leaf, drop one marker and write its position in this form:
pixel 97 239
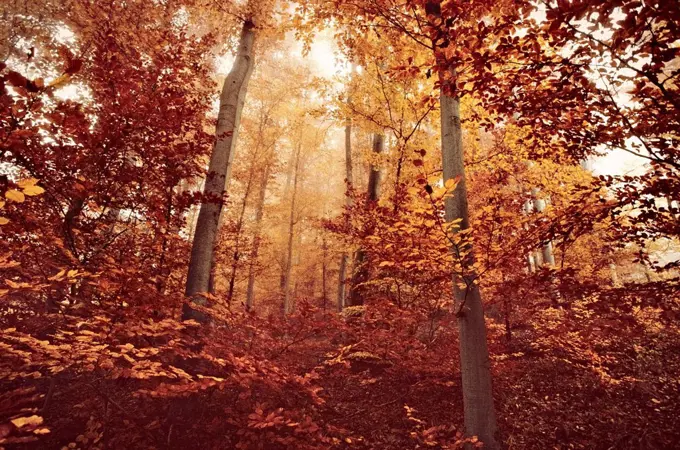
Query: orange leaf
pixel 15 196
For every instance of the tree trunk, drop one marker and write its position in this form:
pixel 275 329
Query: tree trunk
pixel 614 275
pixel 547 255
pixel 342 273
pixel 479 412
pixel 361 270
pixel 344 259
pixel 375 173
pixel 480 417
pixel 237 244
pixel 287 301
pixel 532 262
pixel 219 172
pixel 259 214
pixel 286 194
pixel 324 273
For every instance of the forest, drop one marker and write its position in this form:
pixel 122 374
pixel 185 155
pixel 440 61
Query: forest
pixel 340 224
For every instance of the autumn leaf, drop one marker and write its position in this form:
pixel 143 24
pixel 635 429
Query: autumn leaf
pixel 15 285
pixel 15 196
pixel 30 186
pixel 24 421
pixel 4 221
pixel 33 190
pixel 27 182
pixel 58 276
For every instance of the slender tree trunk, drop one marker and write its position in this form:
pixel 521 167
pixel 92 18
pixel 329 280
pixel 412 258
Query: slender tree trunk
pixel 614 275
pixel 479 412
pixel 361 271
pixel 219 172
pixel 547 255
pixel 342 273
pixel 286 194
pixel 259 214
pixel 375 174
pixel 237 245
pixel 532 263
pixel 344 259
pixel 480 417
pixel 324 273
pixel 287 300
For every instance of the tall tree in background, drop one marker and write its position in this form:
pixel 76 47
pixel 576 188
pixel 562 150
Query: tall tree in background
pixel 219 171
pixel 361 271
pixel 257 238
pixel 288 271
pixel 349 180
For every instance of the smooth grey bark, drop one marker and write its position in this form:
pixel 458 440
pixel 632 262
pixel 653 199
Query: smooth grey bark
pixel 344 259
pixel 287 301
pixel 547 255
pixel 480 416
pixel 259 214
pixel 532 262
pixel 373 190
pixel 478 406
pixel 219 172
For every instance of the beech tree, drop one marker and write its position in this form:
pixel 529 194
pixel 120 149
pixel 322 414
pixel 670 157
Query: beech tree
pixel 349 179
pixel 219 170
pixel 361 271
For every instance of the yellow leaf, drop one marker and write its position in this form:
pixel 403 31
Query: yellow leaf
pixel 4 220
pixel 23 184
pixel 23 421
pixel 12 284
pixel 33 190
pixel 58 276
pixel 59 80
pixel 450 184
pixel 72 273
pixel 15 196
pixel 2 203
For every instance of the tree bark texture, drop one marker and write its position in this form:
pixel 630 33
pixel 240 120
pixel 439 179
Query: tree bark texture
pixel 480 417
pixel 219 172
pixel 547 255
pixel 344 259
